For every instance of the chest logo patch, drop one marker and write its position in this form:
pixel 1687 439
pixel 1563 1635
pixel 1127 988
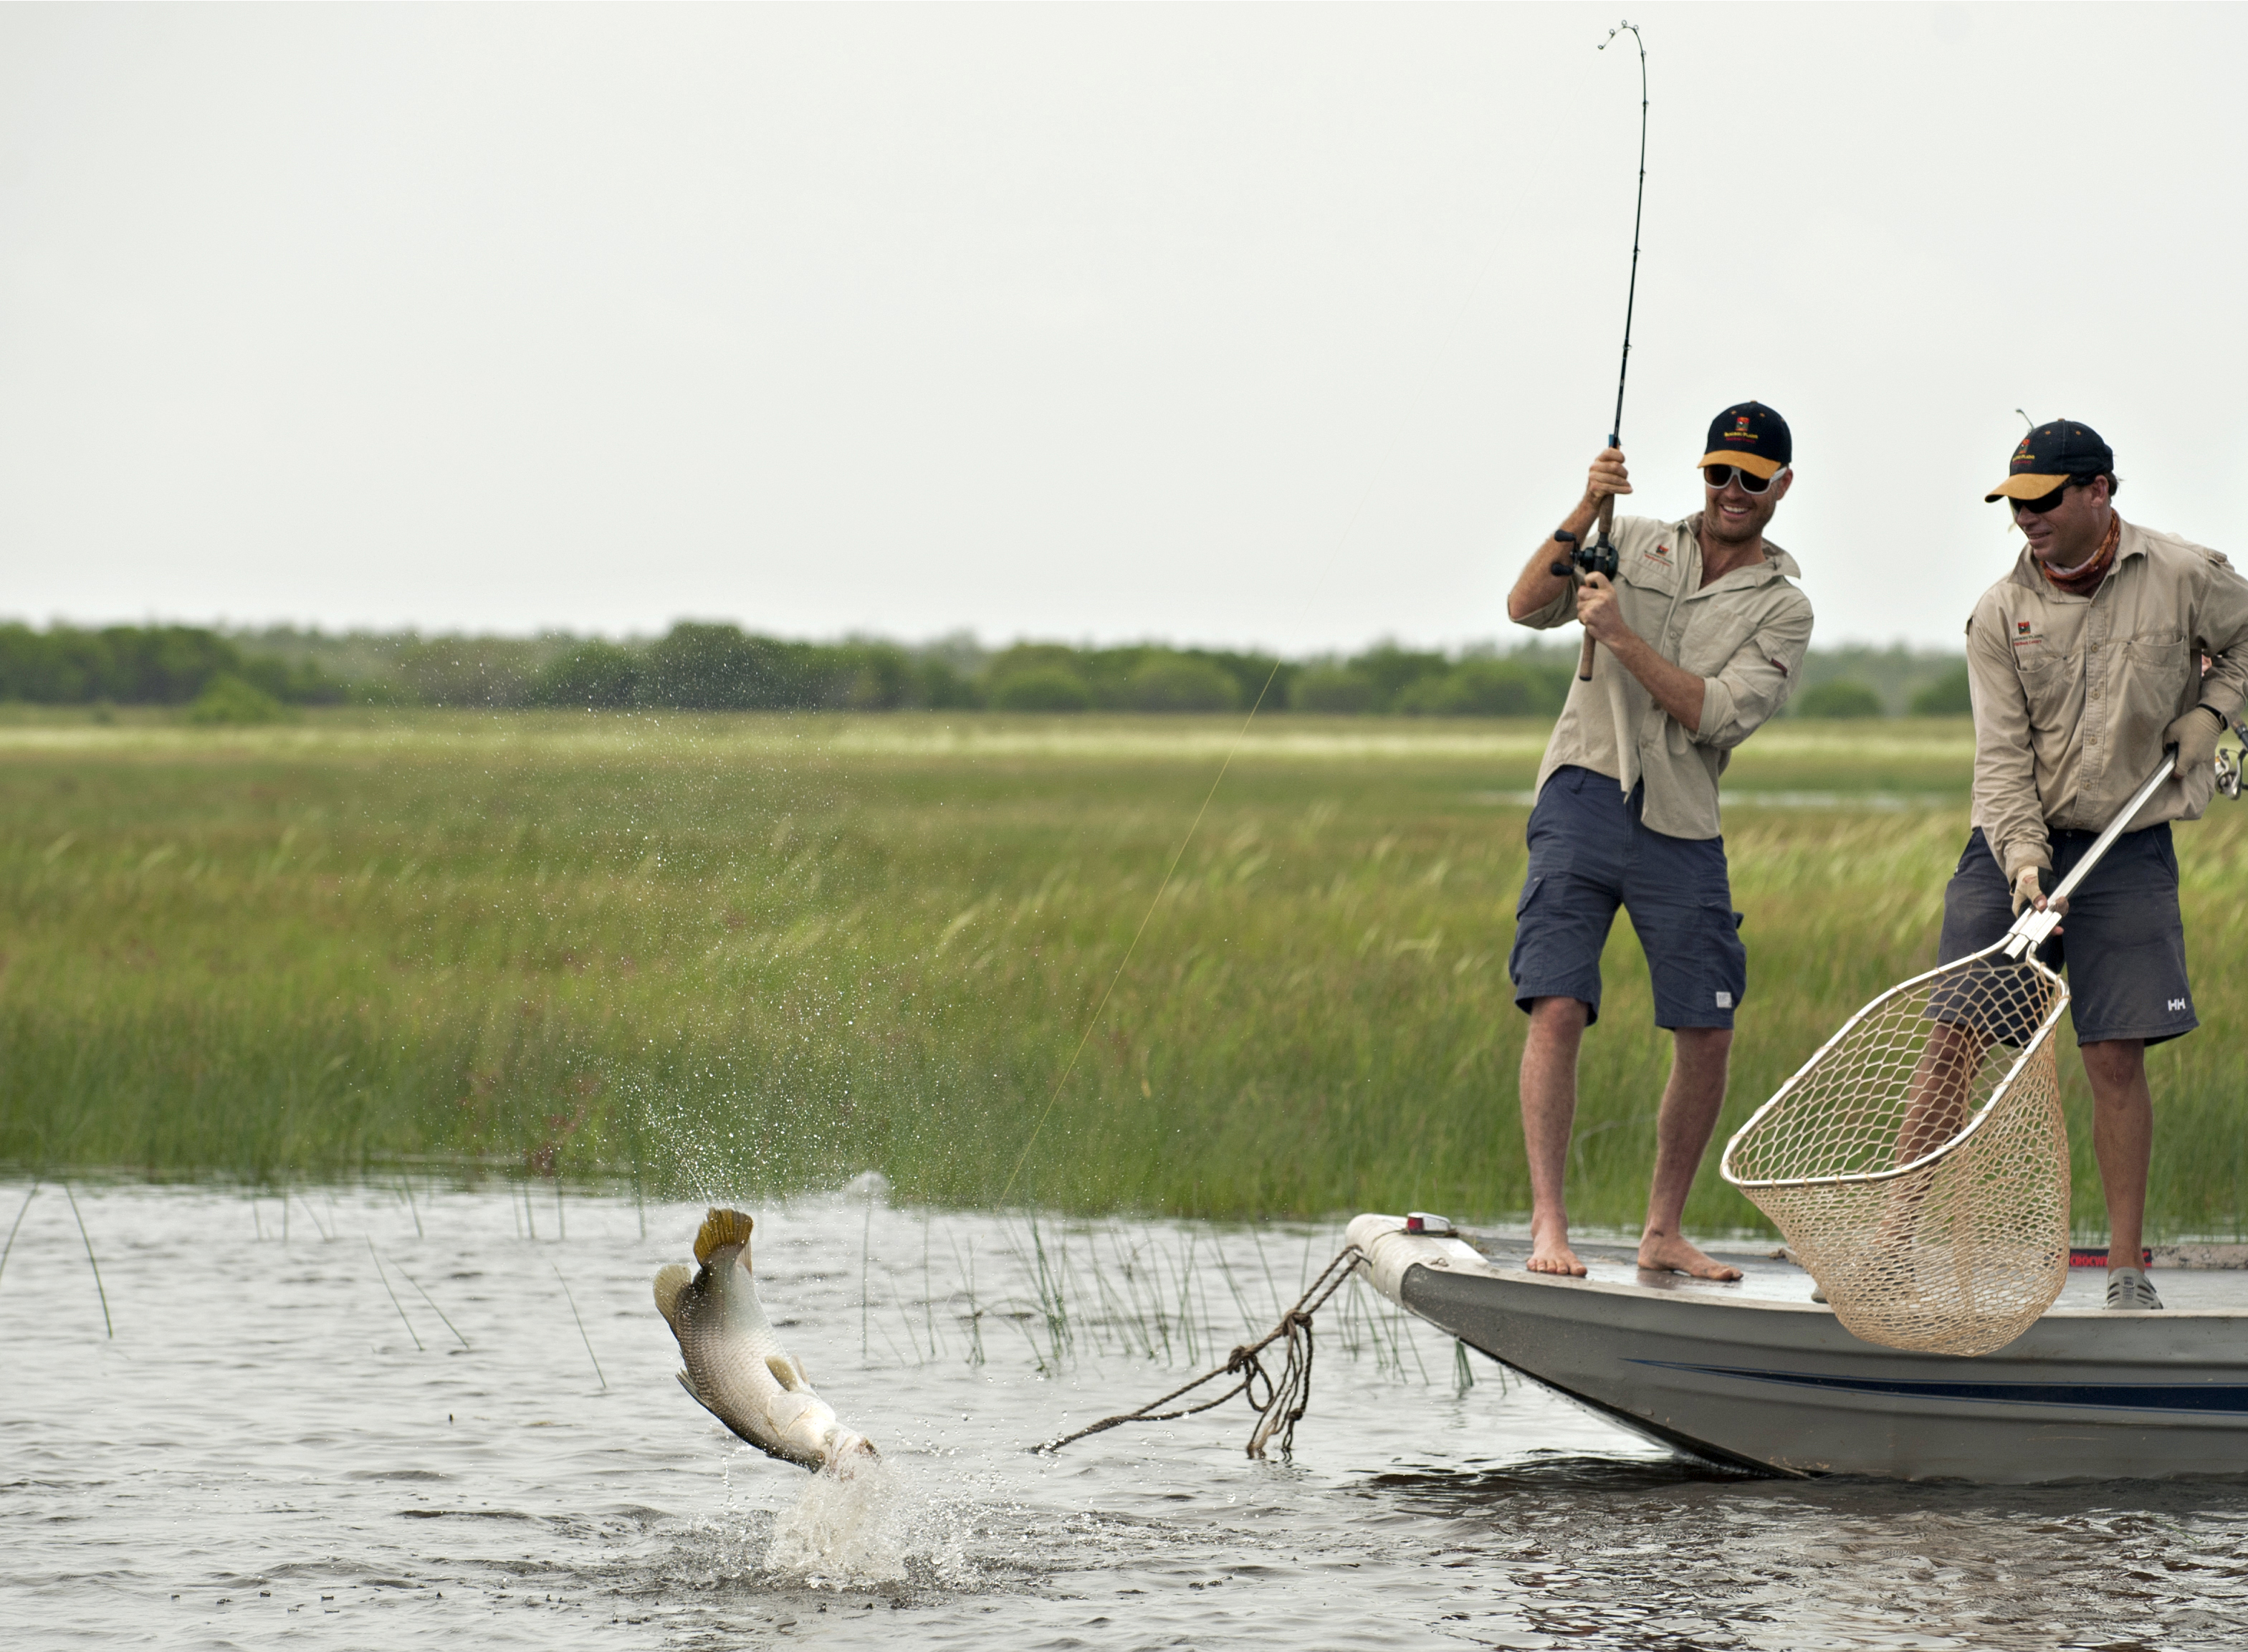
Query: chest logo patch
pixel 2023 634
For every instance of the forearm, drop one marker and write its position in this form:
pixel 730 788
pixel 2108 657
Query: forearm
pixel 2005 800
pixel 1677 690
pixel 2222 690
pixel 1538 585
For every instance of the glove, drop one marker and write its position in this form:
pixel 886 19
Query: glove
pixel 2195 736
pixel 2029 890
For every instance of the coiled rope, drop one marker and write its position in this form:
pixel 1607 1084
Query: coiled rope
pixel 1285 1398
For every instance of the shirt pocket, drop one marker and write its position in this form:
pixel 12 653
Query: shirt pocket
pixel 2053 685
pixel 1649 572
pixel 2163 666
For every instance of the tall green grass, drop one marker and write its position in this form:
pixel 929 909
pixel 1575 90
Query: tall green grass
pixel 748 951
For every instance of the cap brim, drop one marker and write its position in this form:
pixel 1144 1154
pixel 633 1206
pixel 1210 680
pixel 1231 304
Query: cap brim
pixel 2023 487
pixel 1750 462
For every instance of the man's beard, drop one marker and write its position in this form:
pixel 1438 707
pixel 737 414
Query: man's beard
pixel 1715 531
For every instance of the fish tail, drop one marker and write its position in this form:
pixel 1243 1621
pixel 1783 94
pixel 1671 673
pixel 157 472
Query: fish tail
pixel 721 1228
pixel 670 1280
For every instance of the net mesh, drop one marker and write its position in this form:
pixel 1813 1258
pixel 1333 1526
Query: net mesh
pixel 1918 1166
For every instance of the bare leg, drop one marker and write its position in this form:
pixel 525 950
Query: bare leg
pixel 1936 1099
pixel 1691 1102
pixel 1549 1111
pixel 2122 1138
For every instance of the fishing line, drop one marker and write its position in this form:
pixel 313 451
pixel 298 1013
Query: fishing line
pixel 1578 562
pixel 1169 872
pixel 1350 526
pixel 1638 207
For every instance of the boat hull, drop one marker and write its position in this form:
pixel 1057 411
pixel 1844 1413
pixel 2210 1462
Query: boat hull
pixel 1780 1386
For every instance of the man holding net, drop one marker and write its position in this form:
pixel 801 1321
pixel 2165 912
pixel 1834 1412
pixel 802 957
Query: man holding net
pixel 1701 638
pixel 2086 666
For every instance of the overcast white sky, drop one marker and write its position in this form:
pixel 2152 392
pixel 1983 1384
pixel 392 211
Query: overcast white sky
pixel 1273 324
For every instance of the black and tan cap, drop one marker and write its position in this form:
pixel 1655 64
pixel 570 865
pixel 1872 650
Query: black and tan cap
pixel 2049 456
pixel 1751 436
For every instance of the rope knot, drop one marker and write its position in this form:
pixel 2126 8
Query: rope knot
pixel 1283 1402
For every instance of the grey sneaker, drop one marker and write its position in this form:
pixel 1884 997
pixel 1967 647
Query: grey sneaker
pixel 2129 1291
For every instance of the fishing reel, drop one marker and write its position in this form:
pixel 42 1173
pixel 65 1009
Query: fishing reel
pixel 2230 765
pixel 1580 561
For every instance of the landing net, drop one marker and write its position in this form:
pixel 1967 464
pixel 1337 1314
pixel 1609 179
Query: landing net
pixel 1918 1165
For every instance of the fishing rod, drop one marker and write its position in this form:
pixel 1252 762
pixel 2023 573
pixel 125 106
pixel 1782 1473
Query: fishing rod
pixel 1600 557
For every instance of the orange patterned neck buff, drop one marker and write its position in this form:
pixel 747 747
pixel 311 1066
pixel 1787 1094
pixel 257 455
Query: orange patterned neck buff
pixel 2083 581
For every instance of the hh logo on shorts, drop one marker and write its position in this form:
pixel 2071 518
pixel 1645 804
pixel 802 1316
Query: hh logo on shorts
pixel 1724 1000
pixel 2177 1006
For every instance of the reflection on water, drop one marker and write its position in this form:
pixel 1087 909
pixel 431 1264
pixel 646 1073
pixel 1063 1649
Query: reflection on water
pixel 389 1426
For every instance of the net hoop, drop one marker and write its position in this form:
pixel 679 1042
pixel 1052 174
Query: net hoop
pixel 1918 1162
pixel 2029 1046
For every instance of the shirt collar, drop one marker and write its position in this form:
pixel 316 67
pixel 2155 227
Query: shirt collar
pixel 1777 565
pixel 2133 543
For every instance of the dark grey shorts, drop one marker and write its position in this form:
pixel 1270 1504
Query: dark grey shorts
pixel 1589 853
pixel 2122 942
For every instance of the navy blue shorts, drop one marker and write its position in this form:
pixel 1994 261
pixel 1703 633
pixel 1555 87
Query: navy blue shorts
pixel 2122 942
pixel 1589 853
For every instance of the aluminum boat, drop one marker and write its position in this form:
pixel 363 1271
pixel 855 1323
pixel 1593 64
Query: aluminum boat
pixel 1758 1375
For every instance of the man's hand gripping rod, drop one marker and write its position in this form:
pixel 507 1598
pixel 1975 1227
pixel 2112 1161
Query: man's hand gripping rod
pixel 2032 926
pixel 1579 561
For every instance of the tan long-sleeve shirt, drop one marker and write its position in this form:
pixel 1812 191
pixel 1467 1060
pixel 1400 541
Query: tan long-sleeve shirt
pixel 2072 694
pixel 1744 634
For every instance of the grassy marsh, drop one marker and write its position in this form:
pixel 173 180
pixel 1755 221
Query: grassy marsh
pixel 774 950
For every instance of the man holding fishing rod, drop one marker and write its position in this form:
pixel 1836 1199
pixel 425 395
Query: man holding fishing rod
pixel 1701 638
pixel 2086 666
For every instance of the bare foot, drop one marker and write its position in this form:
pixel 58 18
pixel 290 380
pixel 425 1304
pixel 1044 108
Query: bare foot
pixel 1668 1253
pixel 1550 1253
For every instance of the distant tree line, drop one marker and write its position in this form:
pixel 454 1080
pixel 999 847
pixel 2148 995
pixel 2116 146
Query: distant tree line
pixel 721 667
pixel 146 665
pixel 718 667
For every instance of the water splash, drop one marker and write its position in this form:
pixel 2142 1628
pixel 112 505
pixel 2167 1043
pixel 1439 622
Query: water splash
pixel 845 1531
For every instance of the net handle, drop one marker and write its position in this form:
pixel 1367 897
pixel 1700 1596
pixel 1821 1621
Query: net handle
pixel 2029 1048
pixel 2032 926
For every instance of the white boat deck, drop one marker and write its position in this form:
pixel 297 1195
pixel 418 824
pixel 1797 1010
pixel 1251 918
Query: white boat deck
pixel 2207 1279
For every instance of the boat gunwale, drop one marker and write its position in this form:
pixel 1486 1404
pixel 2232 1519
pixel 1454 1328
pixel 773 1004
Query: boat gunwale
pixel 1706 1297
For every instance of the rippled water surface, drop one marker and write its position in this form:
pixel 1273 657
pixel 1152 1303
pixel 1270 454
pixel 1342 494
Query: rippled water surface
pixel 263 1454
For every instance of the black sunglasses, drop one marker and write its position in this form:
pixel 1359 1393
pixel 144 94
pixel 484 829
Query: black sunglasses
pixel 2040 506
pixel 1717 475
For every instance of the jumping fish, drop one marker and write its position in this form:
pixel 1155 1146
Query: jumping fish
pixel 737 1368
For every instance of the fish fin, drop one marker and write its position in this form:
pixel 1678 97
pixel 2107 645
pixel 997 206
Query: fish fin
pixel 670 1280
pixel 787 1373
pixel 693 1393
pixel 723 1227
